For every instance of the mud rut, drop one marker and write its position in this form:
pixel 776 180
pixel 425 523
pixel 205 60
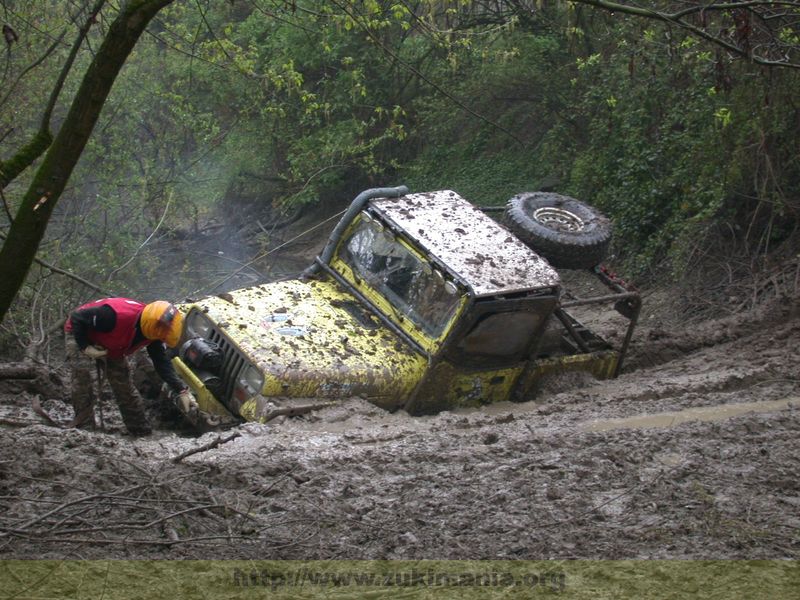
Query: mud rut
pixel 561 477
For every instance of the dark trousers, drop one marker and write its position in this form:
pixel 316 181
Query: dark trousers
pixel 118 373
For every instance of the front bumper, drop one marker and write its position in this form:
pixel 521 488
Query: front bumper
pixel 205 399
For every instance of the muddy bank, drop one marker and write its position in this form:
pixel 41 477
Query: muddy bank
pixel 564 476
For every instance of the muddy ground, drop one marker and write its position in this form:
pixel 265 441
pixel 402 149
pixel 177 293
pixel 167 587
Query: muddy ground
pixel 691 453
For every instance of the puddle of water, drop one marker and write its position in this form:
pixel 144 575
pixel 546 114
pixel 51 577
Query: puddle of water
pixel 717 412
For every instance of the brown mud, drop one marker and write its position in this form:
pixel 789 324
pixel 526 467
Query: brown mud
pixel 691 453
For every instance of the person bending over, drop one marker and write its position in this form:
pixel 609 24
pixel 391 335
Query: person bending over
pixel 112 329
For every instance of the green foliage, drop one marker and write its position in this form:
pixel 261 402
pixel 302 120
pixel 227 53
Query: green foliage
pixel 275 105
pixel 662 134
pixel 508 81
pixel 680 146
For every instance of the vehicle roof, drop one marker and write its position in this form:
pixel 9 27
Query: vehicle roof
pixel 483 253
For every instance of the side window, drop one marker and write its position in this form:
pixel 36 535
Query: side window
pixel 501 335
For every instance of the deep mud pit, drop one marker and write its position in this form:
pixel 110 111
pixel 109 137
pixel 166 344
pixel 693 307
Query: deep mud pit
pixel 691 453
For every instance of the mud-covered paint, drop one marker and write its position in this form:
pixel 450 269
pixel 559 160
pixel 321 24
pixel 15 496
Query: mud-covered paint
pixel 447 386
pixel 486 255
pixel 601 365
pixel 338 337
pixel 312 339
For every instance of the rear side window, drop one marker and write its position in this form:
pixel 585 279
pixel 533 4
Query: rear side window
pixel 505 335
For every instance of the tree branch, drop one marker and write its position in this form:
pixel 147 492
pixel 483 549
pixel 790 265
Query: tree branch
pixel 31 67
pixel 677 19
pixel 60 271
pixel 144 243
pixel 419 74
pixel 10 169
pixel 218 441
pixel 62 76
pixel 50 179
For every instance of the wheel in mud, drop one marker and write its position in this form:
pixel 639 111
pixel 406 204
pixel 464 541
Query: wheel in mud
pixel 567 232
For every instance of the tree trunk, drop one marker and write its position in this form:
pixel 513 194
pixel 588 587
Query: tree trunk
pixel 24 158
pixel 30 222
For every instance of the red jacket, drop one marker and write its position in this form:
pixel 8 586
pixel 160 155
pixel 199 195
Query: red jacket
pixel 117 341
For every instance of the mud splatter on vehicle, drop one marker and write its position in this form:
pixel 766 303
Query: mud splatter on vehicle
pixel 419 302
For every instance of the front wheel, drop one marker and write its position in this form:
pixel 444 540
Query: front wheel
pixel 565 231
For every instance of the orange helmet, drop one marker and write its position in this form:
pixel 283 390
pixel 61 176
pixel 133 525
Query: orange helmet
pixel 162 321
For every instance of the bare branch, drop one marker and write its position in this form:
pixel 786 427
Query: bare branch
pixel 218 441
pixel 749 34
pixel 144 243
pixel 82 33
pixel 41 141
pixel 31 67
pixel 60 271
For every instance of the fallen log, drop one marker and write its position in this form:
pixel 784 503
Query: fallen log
pixel 35 378
pixel 19 371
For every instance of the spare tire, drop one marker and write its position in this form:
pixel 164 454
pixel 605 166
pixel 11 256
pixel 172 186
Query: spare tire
pixel 565 231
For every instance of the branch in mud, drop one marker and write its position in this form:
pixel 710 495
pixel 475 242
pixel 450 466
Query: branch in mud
pixel 212 444
pixel 18 371
pixel 149 511
pixel 294 411
pixel 14 423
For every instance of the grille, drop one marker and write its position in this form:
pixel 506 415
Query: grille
pixel 232 364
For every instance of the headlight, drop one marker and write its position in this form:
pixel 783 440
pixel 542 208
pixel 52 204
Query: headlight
pixel 249 383
pixel 198 325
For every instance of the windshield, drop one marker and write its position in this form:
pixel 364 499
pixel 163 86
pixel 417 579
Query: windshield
pixel 409 283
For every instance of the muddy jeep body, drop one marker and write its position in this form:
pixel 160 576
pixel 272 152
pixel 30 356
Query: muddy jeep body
pixel 419 302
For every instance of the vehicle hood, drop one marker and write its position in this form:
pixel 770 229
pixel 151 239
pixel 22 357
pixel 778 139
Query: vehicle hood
pixel 313 339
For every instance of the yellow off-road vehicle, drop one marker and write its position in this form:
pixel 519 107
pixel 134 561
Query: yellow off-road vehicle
pixel 419 302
